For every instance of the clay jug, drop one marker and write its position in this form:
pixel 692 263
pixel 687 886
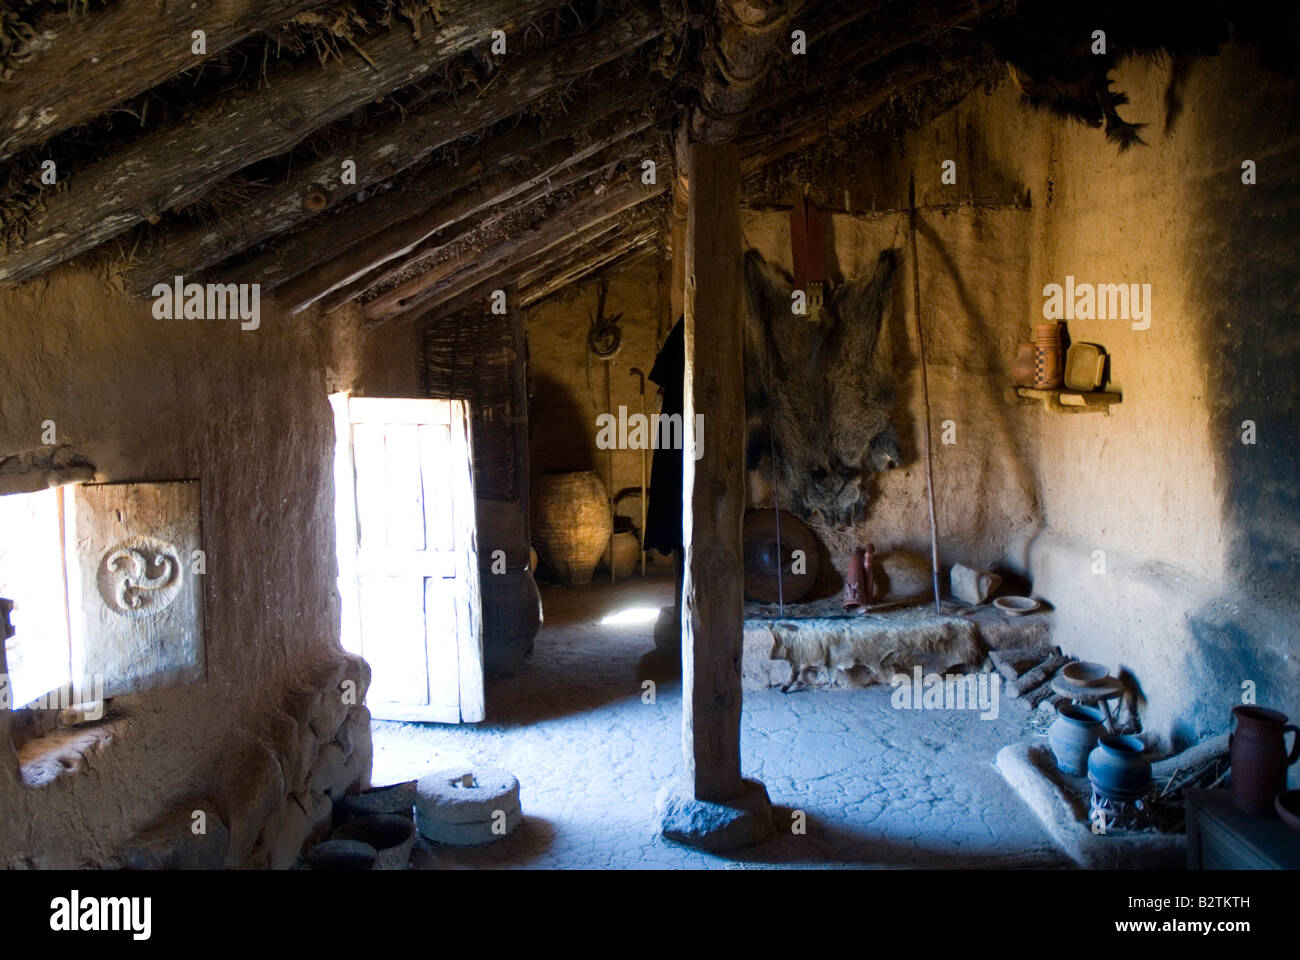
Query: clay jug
pixel 1022 365
pixel 1259 758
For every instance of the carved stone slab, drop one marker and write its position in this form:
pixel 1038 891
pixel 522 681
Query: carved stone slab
pixel 134 587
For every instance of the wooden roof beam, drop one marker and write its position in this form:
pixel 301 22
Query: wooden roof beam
pixel 750 33
pixel 383 152
pixel 462 217
pixel 835 111
pixel 81 65
pixel 454 277
pixel 341 250
pixel 604 257
pixel 177 164
pixel 545 274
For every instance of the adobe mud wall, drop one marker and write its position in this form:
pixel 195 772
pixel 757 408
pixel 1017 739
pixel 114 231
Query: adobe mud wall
pixel 1195 531
pixel 266 741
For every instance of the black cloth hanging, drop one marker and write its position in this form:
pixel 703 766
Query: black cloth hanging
pixel 663 524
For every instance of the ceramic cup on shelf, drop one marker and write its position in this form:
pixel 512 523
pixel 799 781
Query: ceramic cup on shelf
pixel 1049 365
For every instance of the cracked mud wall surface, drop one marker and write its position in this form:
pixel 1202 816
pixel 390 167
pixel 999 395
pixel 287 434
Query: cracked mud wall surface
pixel 247 414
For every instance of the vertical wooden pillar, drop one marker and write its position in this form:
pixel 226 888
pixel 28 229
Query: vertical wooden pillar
pixel 713 481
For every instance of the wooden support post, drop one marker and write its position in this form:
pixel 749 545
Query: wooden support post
pixel 713 807
pixel 713 476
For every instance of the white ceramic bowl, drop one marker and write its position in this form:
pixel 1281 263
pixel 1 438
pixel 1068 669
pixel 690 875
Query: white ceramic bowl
pixel 1017 606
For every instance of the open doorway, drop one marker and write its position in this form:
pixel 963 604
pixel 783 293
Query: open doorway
pixel 407 555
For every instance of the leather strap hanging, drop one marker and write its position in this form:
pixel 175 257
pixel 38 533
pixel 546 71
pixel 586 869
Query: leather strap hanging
pixel 808 244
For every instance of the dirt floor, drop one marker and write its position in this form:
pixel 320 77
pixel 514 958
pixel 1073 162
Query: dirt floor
pixel 879 787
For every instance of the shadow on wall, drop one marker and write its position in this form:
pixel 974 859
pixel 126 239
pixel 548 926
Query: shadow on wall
pixel 561 429
pixel 1009 475
pixel 1245 278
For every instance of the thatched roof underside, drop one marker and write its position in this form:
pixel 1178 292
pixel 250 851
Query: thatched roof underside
pixel 388 153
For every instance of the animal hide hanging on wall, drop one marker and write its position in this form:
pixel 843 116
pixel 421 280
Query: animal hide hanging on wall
pixel 819 395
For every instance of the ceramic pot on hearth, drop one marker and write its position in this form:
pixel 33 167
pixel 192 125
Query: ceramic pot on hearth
pixel 1117 768
pixel 1073 735
pixel 1259 758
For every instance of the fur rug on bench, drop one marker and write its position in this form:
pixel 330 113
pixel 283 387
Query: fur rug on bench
pixel 861 649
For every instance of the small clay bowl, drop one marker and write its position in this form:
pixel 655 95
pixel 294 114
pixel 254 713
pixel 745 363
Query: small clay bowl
pixel 1287 804
pixel 1017 606
pixel 341 855
pixel 391 835
pixel 1081 673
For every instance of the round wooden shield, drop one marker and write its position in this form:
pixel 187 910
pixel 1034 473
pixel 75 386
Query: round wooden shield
pixel 797 557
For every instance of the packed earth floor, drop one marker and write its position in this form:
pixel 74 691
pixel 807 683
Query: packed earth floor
pixel 879 787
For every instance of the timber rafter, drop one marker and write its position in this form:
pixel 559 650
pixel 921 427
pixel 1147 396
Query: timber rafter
pixel 524 172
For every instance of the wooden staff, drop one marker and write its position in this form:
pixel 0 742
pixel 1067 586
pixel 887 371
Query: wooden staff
pixel 925 387
pixel 640 375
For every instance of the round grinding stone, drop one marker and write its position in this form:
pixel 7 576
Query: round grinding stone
pixel 467 834
pixel 442 797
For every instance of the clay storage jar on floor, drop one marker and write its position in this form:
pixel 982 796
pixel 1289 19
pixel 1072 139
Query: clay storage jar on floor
pixel 467 805
pixel 512 615
pixel 511 605
pixel 571 524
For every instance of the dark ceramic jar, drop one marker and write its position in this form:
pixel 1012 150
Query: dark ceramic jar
pixel 1073 736
pixel 1118 769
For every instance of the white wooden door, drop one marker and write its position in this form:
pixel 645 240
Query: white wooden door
pixel 414 609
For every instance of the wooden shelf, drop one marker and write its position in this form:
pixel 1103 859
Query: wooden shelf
pixel 1071 401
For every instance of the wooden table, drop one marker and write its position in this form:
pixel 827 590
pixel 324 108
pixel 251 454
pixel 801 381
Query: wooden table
pixel 1221 837
pixel 1097 693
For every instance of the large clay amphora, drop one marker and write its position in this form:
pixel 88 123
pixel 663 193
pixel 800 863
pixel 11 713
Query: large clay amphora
pixel 1259 758
pixel 571 524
